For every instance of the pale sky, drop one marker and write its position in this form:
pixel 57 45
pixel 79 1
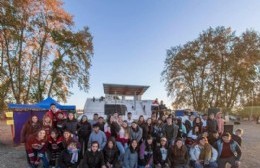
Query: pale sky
pixel 131 36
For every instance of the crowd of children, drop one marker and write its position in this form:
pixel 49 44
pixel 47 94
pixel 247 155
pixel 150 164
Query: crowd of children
pixel 61 141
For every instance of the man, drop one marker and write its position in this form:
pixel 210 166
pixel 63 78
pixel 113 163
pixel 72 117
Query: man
pixel 204 121
pixel 95 119
pixel 129 119
pixel 170 131
pixel 212 124
pixel 53 114
pixel 97 135
pixel 228 151
pixel 93 157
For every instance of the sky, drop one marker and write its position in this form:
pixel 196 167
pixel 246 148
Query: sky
pixel 131 37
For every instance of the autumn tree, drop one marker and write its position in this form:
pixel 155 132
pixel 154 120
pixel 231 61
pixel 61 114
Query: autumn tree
pixel 218 69
pixel 40 53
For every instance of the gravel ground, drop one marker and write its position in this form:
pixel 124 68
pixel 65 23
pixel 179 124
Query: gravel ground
pixel 14 156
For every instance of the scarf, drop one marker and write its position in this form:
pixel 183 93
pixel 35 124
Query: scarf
pixel 74 157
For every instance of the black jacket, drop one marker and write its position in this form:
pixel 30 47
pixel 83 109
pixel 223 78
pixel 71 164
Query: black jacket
pixel 84 130
pixel 65 160
pixel 110 155
pixel 92 160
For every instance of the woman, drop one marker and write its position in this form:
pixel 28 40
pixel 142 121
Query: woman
pixel 47 125
pixel 178 155
pixel 122 139
pixel 30 128
pixel 197 122
pixel 71 124
pixel 131 155
pixel 192 135
pixel 84 131
pixel 160 154
pixel 69 157
pixel 36 147
pixel 158 132
pixel 93 157
pixel 136 132
pixel 111 153
pixel 220 122
pixel 203 155
pixel 182 133
pixel 145 159
pixel 67 139
pixel 54 147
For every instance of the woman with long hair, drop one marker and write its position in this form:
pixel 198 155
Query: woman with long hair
pixel 145 159
pixel 131 155
pixel 111 153
pixel 35 148
pixel 178 155
pixel 84 131
pixel 122 139
pixel 30 127
pixel 47 124
pixel 160 154
pixel 197 122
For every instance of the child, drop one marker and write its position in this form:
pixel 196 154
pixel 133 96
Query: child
pixel 69 157
pixel 55 147
pixel 237 136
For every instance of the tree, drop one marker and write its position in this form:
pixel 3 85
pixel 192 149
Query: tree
pixel 40 53
pixel 215 70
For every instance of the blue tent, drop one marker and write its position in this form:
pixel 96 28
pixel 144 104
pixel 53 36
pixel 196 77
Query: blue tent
pixel 42 105
pixel 23 112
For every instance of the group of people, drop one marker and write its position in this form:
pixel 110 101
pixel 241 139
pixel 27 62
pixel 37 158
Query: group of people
pixel 61 141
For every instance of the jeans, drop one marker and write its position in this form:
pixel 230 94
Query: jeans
pixel 121 149
pixel 43 158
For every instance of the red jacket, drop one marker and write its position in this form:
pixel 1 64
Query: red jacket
pixel 34 147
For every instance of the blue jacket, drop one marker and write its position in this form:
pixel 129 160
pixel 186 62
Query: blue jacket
pixel 130 159
pixel 235 148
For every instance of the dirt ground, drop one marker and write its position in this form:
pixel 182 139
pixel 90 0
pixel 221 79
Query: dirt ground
pixel 13 156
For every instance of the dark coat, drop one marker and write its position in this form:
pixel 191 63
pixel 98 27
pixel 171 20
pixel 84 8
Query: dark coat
pixel 110 155
pixel 178 157
pixel 65 160
pixel 212 125
pixel 84 130
pixel 157 157
pixel 71 125
pixel 92 160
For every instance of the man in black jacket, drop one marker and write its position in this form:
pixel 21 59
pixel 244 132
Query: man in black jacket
pixel 93 158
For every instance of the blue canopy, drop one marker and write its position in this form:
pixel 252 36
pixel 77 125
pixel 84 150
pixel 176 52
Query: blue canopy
pixel 42 105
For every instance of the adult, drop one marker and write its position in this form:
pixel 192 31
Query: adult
pixel 228 151
pixel 30 128
pixel 136 132
pixel 220 122
pixel 35 148
pixel 178 155
pixel 170 131
pixel 146 153
pixel 71 124
pixel 97 135
pixel 160 154
pixel 129 119
pixel 131 155
pixel 203 155
pixel 189 123
pixel 212 124
pixel 93 158
pixel 69 157
pixel 84 131
pixel 111 153
pixel 52 113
